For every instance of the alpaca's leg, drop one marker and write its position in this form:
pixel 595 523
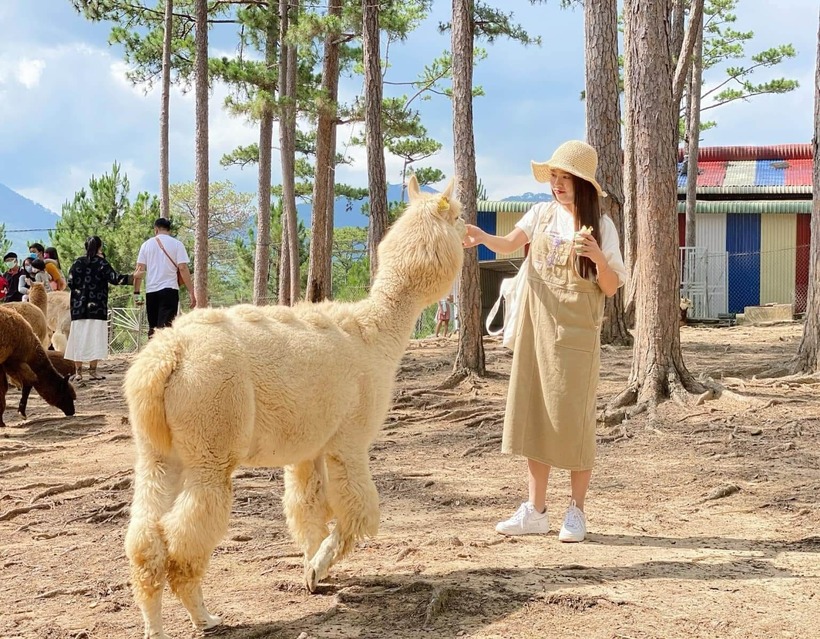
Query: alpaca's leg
pixel 193 528
pixel 156 484
pixel 305 502
pixel 355 503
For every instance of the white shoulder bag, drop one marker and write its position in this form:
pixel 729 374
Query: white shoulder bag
pixel 511 292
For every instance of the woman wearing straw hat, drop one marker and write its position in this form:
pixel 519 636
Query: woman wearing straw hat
pixel 574 261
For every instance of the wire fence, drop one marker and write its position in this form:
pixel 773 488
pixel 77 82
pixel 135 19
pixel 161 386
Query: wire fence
pixel 724 283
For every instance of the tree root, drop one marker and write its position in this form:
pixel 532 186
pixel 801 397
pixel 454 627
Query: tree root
pixel 438 601
pixel 477 448
pixel 454 379
pixel 22 510
pixel 12 469
pixel 64 488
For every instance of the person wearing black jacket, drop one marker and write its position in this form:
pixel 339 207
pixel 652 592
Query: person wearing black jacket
pixel 12 276
pixel 88 280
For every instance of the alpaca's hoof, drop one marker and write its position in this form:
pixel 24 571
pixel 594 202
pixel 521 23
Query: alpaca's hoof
pixel 311 578
pixel 208 622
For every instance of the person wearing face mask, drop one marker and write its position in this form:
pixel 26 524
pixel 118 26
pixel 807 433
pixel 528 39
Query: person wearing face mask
pixel 56 281
pixel 26 279
pixel 12 276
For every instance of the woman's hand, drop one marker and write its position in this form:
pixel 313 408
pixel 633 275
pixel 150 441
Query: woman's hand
pixel 474 236
pixel 587 245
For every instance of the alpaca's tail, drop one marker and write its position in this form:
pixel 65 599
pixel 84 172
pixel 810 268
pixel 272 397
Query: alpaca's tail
pixel 145 393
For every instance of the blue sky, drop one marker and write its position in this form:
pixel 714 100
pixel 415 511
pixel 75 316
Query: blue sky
pixel 67 112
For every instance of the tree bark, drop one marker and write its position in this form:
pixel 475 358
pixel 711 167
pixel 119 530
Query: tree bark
pixel 630 219
pixel 808 353
pixel 658 370
pixel 261 266
pixel 289 282
pixel 321 241
pixel 693 140
pixel 202 160
pixel 470 355
pixel 165 111
pixel 684 59
pixel 376 172
pixel 603 125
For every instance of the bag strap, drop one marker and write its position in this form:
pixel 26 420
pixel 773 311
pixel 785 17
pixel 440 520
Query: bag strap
pixel 176 266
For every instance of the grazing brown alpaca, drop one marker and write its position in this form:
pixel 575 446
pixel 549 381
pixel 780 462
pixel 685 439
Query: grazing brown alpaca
pixel 63 366
pixel 59 318
pixel 35 317
pixel 23 358
pixel 306 387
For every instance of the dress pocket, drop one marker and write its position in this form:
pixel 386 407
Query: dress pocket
pixel 575 324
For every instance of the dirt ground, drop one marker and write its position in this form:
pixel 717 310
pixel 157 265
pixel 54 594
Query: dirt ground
pixel 665 556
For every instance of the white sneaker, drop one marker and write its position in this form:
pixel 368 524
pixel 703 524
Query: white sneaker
pixel 525 521
pixel 575 525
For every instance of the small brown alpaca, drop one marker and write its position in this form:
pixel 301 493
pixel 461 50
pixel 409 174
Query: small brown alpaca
pixel 23 358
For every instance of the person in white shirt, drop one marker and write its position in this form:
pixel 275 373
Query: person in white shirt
pixel 162 261
pixel 574 262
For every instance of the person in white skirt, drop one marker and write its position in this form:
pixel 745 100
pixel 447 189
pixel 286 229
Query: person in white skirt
pixel 88 280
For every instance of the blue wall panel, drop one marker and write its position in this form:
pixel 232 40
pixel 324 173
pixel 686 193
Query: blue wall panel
pixel 743 247
pixel 486 222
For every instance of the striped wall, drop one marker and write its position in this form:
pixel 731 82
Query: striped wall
pixel 778 234
pixel 505 223
pixel 487 222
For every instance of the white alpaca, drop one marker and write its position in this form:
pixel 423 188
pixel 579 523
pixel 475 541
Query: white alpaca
pixel 306 387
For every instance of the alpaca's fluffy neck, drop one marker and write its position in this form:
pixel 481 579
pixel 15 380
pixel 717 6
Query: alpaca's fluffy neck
pixel 392 314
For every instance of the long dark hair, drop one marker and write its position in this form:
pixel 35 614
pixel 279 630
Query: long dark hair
pixel 92 246
pixel 587 213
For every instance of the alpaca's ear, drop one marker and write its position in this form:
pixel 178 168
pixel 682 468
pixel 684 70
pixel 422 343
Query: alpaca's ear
pixel 448 192
pixel 413 190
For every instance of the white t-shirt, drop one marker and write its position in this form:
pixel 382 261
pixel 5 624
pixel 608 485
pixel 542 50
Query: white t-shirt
pixel 563 224
pixel 160 272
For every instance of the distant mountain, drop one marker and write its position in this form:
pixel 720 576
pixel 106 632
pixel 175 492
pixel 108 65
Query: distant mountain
pixel 529 197
pixel 350 213
pixel 18 212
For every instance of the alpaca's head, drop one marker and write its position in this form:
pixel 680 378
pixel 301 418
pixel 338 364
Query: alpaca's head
pixel 422 253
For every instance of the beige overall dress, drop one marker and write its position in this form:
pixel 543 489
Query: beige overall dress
pixel 551 402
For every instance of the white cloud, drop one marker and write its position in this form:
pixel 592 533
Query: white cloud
pixel 29 72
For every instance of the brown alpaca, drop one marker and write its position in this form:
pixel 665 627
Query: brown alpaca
pixel 63 366
pixel 38 296
pixel 35 317
pixel 23 358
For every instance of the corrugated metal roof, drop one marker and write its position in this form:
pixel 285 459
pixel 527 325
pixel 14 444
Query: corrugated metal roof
pixel 751 177
pixel 709 207
pixel 767 207
pixel 738 153
pixel 506 206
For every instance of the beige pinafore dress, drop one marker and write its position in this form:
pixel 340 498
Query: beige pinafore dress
pixel 551 402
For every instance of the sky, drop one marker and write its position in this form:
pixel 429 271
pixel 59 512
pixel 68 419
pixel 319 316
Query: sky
pixel 67 110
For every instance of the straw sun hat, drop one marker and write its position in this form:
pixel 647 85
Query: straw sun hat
pixel 575 157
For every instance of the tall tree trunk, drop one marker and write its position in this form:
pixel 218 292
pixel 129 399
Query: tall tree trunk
pixel 289 264
pixel 202 160
pixel 630 218
pixel 658 370
pixel 693 141
pixel 165 112
pixel 289 205
pixel 603 124
pixel 376 172
pixel 261 265
pixel 321 240
pixel 684 59
pixel 470 355
pixel 678 24
pixel 808 353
